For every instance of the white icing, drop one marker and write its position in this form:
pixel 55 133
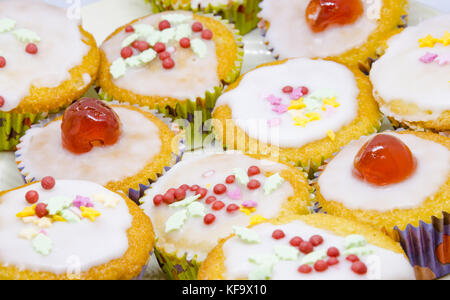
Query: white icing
pixel 75 245
pixel 258 84
pixel 60 49
pixel 382 264
pixel 196 238
pixel 290 35
pixel 399 75
pixel 337 182
pixel 189 79
pixel 42 152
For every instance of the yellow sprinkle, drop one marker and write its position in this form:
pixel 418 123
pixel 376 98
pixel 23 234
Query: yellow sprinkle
pixel 331 102
pixel 331 135
pixel 247 210
pixel 427 41
pixel 297 104
pixel 44 222
pixel 313 116
pixel 300 121
pixel 256 219
pixel 208 185
pixel 28 211
pixel 90 213
pixel 58 218
pixel 445 40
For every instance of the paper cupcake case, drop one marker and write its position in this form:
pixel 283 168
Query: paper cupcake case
pixel 133 194
pixel 175 267
pixel 243 13
pixel 13 126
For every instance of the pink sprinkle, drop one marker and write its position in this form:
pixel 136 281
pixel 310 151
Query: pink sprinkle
pixel 82 201
pixel 443 59
pixel 208 173
pixel 249 204
pixel 281 109
pixel 274 100
pixel 330 111
pixel 235 194
pixel 171 50
pixel 296 94
pixel 428 58
pixel 274 122
pixel 43 232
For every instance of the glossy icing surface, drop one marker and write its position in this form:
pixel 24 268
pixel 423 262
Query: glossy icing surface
pixel 50 66
pixel 75 246
pixel 337 182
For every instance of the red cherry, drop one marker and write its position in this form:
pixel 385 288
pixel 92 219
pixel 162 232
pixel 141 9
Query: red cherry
pixel 48 183
pixel 232 208
pixel 168 63
pixel 352 258
pixel 306 247
pixel 87 123
pixel 159 47
pixel 321 14
pixel 230 179
pixel 333 252
pixel 41 210
pixel 288 89
pixel 359 268
pixel 2 62
pixel 197 27
pixel 194 188
pixel 332 261
pixel 169 198
pixel 316 240
pixel 305 90
pixel 184 187
pixel 202 192
pixel 158 199
pixel 31 48
pixel 278 234
pixel 209 219
pixel 129 29
pixel 220 189
pixel 32 197
pixel 384 160
pixel 218 205
pixel 253 184
pixel 305 269
pixel 180 194
pixel 164 55
pixel 185 43
pixel 296 241
pixel 207 34
pixel 210 199
pixel 2 101
pixel 253 170
pixel 320 266
pixel 164 25
pixel 126 52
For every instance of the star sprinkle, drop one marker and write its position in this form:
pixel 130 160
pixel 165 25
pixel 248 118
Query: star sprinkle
pixel 256 219
pixel 331 102
pixel 28 211
pixel 82 201
pixel 43 222
pixel 443 59
pixel 274 100
pixel 298 104
pixel 300 121
pixel 280 109
pixel 58 218
pixel 111 201
pixel 90 213
pixel 249 203
pixel 234 194
pixel 176 221
pixel 313 116
pixel 29 220
pixel 272 183
pixel 28 233
pixel 428 58
pixel 427 41
pixel 57 204
pixel 296 94
pixel 247 235
pixel 247 210
pixel 42 244
pixel 445 40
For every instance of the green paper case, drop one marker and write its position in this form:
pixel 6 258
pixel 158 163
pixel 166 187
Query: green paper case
pixel 177 268
pixel 13 126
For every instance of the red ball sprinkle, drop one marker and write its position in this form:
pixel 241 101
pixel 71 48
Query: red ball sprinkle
pixel 164 55
pixel 288 89
pixel 48 182
pixel 32 197
pixel 141 45
pixel 197 27
pixel 305 269
pixel 220 189
pixel 168 63
pixel 180 194
pixel 333 252
pixel 316 240
pixel 210 199
pixel 359 268
pixel 305 90
pixel 2 62
pixel 2 101
pixel 185 43
pixel 41 210
pixel 202 192
pixel 278 234
pixel 207 34
pixel 232 208
pixel 129 29
pixel 209 219
pixel 172 191
pixel 158 199
pixel 218 205
pixel 306 247
pixel 230 179
pixel 194 187
pixel 253 184
pixel 169 198
pixel 296 241
pixel 31 48
pixel 352 258
pixel 126 52
pixel 164 25
pixel 159 47
pixel 332 261
pixel 320 266
pixel 135 44
pixel 184 187
pixel 253 170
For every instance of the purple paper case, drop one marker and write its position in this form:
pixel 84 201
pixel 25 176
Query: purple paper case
pixel 428 247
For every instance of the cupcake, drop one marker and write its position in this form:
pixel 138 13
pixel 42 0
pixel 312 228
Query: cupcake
pixel 393 182
pixel 200 199
pixel 176 62
pixel 43 67
pixel 314 247
pixel 71 229
pixel 299 111
pixel 411 81
pixel 242 13
pixel 351 31
pixel 120 147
